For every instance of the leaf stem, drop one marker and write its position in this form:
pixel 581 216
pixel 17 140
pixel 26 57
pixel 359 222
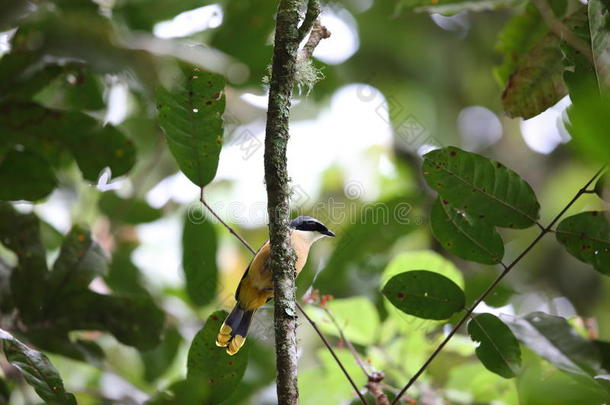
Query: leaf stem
pixel 229 228
pixel 493 285
pixel 561 31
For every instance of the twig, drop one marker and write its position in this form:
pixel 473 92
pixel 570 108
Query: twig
pixel 313 11
pixel 375 378
pixel 561 31
pixel 318 33
pixel 349 344
pixel 230 229
pixel 332 352
pixel 492 287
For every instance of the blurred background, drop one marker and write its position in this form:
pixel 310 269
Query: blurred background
pixel 396 84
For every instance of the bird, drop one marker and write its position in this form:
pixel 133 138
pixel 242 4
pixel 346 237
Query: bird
pixel 256 286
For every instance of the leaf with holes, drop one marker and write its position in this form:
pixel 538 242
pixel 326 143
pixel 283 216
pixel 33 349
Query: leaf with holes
pixel 552 338
pixel 199 246
pixel 210 366
pixel 517 37
pixel 37 370
pixel 537 82
pixel 424 294
pixel 586 236
pixel 499 350
pixel 482 187
pixel 191 116
pixel 465 235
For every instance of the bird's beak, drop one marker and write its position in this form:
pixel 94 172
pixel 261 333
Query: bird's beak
pixel 329 233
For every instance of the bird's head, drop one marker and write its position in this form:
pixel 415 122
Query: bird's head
pixel 313 227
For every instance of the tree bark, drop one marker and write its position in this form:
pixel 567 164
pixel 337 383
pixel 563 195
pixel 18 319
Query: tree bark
pixel 282 260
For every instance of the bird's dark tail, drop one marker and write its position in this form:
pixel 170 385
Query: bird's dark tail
pixel 234 329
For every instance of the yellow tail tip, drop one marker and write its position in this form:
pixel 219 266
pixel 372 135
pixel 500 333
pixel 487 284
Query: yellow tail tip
pixel 224 336
pixel 235 344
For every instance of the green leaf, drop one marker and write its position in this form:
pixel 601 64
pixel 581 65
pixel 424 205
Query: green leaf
pixel 589 133
pixel 124 276
pixel 537 83
pixel 37 370
pixel 199 247
pixel 499 350
pixel 602 187
pixel 552 338
pixel 51 237
pixel 42 129
pixel 482 187
pixel 357 317
pixel 424 294
pixel 56 341
pixel 425 259
pixel 24 74
pixel 98 148
pixel 210 366
pixel 599 16
pixel 133 320
pixel 80 260
pixel 157 361
pixel 24 175
pixel 21 234
pixel 465 235
pixel 586 236
pixel 191 116
pixel 517 37
pixel 127 210
pixel 75 89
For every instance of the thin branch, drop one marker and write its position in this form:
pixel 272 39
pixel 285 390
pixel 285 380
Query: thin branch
pixel 229 228
pixel 561 31
pixel 349 344
pixel 375 378
pixel 318 33
pixel 332 352
pixel 492 287
pixel 313 11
